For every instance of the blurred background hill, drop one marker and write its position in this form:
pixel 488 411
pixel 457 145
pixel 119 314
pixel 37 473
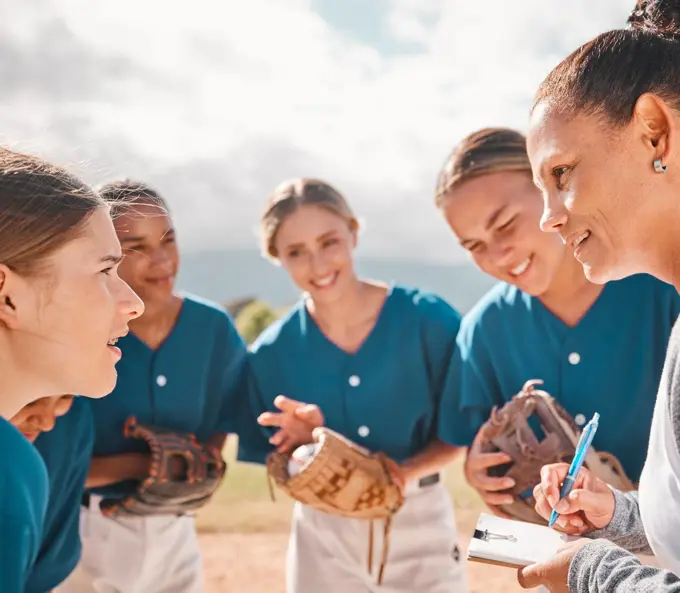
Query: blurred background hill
pixel 228 276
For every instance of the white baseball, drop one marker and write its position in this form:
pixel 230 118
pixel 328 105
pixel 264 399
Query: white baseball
pixel 300 457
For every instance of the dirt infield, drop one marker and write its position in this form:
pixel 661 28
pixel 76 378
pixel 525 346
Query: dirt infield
pixel 244 535
pixel 256 562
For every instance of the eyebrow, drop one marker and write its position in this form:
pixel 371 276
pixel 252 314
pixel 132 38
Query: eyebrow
pixel 494 217
pixel 319 238
pixel 138 238
pixel 489 223
pixel 111 259
pixel 129 239
pixel 546 165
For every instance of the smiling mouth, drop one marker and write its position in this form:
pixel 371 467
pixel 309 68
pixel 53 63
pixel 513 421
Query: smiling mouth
pixel 161 280
pixel 113 341
pixel 326 281
pixel 579 242
pixel 581 238
pixel 521 268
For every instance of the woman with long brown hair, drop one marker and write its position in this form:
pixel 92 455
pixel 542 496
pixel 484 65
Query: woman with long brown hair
pixel 62 308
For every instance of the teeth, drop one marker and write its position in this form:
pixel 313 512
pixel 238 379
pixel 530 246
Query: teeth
pixel 581 238
pixel 325 281
pixel 521 268
pixel 113 342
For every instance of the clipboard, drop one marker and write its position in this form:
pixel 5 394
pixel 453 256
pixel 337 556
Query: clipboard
pixel 513 544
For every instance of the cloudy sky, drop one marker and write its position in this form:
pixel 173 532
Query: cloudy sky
pixel 216 101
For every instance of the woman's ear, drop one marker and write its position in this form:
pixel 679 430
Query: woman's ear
pixel 354 229
pixel 656 124
pixel 8 311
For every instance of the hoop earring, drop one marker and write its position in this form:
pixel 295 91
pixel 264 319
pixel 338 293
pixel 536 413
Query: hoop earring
pixel 658 167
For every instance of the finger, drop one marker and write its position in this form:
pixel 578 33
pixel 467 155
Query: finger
pixel 477 441
pixel 397 478
pixel 551 477
pixel 479 461
pixel 531 576
pixel 283 444
pixel 491 498
pixel 586 480
pixel 271 419
pixel 310 414
pixel 590 503
pixel 277 438
pixel 286 404
pixel 483 481
pixel 542 505
pixel 570 524
pixel 299 435
pixel 286 447
pixel 395 471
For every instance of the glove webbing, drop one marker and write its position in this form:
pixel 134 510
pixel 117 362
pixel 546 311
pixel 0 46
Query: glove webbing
pixel 604 465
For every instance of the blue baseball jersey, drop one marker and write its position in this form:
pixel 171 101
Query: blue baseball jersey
pixel 66 451
pixel 610 362
pixel 384 397
pixel 23 499
pixel 194 382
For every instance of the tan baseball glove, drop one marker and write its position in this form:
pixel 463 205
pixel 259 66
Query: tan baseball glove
pixel 508 430
pixel 341 478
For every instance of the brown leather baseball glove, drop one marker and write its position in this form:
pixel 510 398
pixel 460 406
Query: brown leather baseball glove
pixel 183 476
pixel 508 430
pixel 342 478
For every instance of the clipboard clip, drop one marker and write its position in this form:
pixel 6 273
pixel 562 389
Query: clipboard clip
pixel 486 535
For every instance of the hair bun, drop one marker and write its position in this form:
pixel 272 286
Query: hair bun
pixel 659 17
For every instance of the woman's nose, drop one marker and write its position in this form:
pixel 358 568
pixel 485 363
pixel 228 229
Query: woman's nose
pixel 554 213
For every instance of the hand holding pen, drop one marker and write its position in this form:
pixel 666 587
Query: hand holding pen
pixel 586 504
pixel 584 442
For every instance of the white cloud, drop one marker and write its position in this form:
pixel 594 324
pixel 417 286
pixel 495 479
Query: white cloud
pixel 409 20
pixel 224 99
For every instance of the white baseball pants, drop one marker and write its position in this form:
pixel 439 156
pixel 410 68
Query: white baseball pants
pixel 136 555
pixel 329 554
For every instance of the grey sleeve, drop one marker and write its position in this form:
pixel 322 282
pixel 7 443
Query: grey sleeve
pixel 603 566
pixel 625 529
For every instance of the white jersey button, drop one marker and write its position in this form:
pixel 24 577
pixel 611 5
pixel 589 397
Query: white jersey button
pixel 580 419
pixel 161 380
pixel 574 358
pixel 354 381
pixel 364 431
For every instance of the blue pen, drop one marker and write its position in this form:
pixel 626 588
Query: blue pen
pixel 579 457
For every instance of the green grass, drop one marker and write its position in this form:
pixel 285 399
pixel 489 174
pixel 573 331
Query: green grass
pixel 243 502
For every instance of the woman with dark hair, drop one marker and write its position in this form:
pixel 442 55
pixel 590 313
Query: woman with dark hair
pixel 603 144
pixel 572 331
pixel 183 370
pixel 62 308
